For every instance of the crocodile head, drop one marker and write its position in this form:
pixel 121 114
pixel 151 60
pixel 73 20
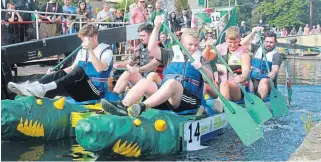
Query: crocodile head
pixel 28 118
pixel 153 133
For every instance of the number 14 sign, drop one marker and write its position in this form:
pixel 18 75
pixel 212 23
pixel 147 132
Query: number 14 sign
pixel 195 129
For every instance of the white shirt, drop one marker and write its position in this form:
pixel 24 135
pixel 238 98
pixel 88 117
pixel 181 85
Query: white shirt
pixel 106 57
pixel 103 15
pixel 185 19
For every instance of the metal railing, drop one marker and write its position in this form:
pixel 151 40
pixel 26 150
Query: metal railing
pixel 39 19
pixel 95 22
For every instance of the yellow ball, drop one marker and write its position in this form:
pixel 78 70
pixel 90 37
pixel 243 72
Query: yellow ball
pixel 39 101
pixel 160 125
pixel 137 122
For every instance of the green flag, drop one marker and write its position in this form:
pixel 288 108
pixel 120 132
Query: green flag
pixel 221 38
pixel 231 22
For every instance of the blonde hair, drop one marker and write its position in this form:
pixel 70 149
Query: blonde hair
pixel 233 33
pixel 190 32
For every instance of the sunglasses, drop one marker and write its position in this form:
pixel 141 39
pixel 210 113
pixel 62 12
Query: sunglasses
pixel 142 1
pixel 149 7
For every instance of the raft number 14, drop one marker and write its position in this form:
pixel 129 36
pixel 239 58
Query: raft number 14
pixel 193 130
pixel 196 134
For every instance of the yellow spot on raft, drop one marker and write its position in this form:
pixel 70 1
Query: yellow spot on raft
pixel 160 125
pixel 39 102
pixel 206 96
pixel 31 129
pixel 130 150
pixel 137 122
pixel 97 106
pixel 59 104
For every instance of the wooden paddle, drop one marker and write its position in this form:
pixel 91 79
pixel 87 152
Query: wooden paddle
pixel 254 105
pixel 278 103
pixel 244 126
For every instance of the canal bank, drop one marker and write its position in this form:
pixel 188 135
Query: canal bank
pixel 310 149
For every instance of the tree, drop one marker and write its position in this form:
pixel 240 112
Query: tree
pixel 121 5
pixel 180 5
pixel 285 13
pixel 317 12
pixel 243 8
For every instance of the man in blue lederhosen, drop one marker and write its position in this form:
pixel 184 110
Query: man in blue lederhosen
pixel 85 79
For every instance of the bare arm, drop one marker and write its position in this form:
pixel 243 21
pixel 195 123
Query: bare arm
pixel 152 44
pixel 98 64
pixel 209 54
pixel 154 49
pixel 124 63
pixel 58 19
pixel 245 42
pixel 151 66
pixel 19 17
pixel 132 16
pixel 70 68
pixel 11 19
pixel 275 69
pixel 276 62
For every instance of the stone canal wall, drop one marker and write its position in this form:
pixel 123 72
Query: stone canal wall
pixel 310 148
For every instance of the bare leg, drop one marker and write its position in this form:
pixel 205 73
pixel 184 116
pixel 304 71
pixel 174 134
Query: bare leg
pixel 230 90
pixel 124 79
pixel 143 87
pixel 264 87
pixel 208 89
pixel 153 76
pixel 171 90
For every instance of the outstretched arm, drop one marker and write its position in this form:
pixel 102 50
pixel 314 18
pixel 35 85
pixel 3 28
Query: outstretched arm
pixel 154 49
pixel 245 42
pixel 276 63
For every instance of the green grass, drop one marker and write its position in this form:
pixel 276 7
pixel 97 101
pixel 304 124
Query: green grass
pixel 308 122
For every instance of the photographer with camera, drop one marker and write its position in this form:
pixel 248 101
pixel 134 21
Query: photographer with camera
pixel 259 74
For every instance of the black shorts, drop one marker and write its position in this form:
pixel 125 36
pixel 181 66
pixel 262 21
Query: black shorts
pixel 188 102
pixel 256 84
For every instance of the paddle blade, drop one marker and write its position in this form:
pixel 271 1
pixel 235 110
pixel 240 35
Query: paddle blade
pixel 244 126
pixel 278 103
pixel 257 108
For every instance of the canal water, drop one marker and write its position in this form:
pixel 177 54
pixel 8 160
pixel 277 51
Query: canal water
pixel 282 136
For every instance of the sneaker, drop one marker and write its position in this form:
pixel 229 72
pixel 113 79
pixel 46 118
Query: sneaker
pixel 137 109
pixel 19 89
pixel 114 108
pixel 218 106
pixel 37 91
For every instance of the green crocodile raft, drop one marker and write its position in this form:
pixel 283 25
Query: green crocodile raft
pixel 154 133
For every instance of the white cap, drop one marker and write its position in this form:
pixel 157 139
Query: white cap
pixel 243 22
